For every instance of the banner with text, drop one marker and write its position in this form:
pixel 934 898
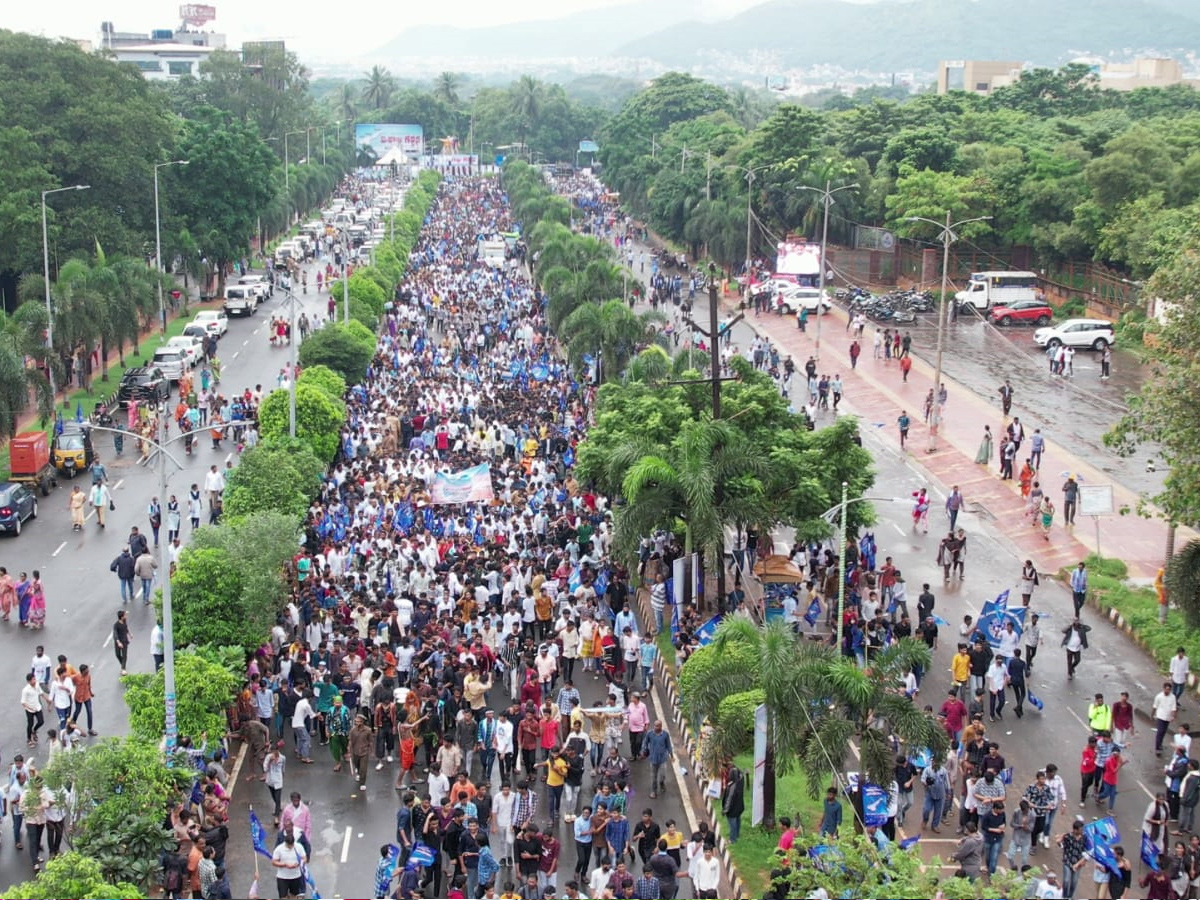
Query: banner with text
pixel 380 139
pixel 467 486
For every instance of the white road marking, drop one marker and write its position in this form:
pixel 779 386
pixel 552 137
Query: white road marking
pixel 229 457
pixel 247 341
pixel 255 331
pixel 107 641
pixel 685 795
pixel 1149 793
pixel 59 550
pixel 346 845
pixel 235 354
pixel 117 486
pixel 898 529
pixel 237 770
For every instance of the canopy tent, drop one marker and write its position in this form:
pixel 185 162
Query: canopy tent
pixel 778 570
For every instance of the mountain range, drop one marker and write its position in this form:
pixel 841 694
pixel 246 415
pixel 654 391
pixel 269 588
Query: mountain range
pixel 879 36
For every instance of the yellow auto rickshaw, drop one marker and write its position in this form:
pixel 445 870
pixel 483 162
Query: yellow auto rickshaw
pixel 71 450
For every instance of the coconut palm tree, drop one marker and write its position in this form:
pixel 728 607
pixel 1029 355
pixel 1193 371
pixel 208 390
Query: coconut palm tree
pixel 445 87
pixel 22 339
pixel 1183 582
pixel 651 366
pixel 379 87
pixel 567 289
pixel 611 331
pixel 863 705
pixel 347 102
pixel 527 97
pixel 709 476
pixel 745 657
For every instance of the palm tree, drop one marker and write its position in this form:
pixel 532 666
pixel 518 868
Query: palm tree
pixel 745 657
pixel 651 366
pixel 527 105
pixel 863 705
pixel 22 339
pixel 378 89
pixel 1183 582
pixel 567 288
pixel 611 331
pixel 707 477
pixel 347 102
pixel 445 87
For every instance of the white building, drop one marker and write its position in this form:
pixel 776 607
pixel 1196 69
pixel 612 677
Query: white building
pixel 163 61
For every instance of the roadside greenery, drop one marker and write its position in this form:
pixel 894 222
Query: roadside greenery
pixel 74 874
pixel 1164 412
pixel 205 685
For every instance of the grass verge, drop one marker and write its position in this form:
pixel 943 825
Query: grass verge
pixel 1139 607
pixel 753 854
pixel 100 389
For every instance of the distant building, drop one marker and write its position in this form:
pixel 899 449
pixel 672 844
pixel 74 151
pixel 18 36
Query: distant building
pixel 166 53
pixel 985 76
pixel 975 75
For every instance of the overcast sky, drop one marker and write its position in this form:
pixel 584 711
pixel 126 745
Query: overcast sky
pixel 311 29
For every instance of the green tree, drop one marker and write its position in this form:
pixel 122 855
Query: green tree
pixel 1164 412
pixel 930 194
pixel 203 690
pixel 334 347
pixel 206 595
pixel 849 865
pixel 611 331
pixel 114 795
pixel 268 478
pixel 746 657
pixel 22 179
pixel 323 377
pixel 445 87
pixel 73 874
pixel 1183 582
pixel 228 182
pixel 527 104
pixel 319 418
pixel 379 87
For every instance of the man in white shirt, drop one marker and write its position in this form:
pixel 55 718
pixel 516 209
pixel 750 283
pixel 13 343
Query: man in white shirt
pixel 1164 707
pixel 300 732
pixel 706 874
pixel 41 665
pixel 214 483
pixel 1180 667
pixel 504 805
pixel 31 703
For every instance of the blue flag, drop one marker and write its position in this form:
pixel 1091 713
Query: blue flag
pixel 1035 702
pixel 875 804
pixel 909 842
pixel 1099 838
pixel 258 836
pixel 422 855
pixel 312 885
pixel 813 613
pixel 1149 852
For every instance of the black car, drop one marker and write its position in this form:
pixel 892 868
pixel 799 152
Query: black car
pixel 17 503
pixel 145 384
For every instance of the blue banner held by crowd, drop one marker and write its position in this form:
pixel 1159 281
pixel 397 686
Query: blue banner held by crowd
pixel 1149 852
pixel 386 870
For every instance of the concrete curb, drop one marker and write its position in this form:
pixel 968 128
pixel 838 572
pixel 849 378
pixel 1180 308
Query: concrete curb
pixel 665 673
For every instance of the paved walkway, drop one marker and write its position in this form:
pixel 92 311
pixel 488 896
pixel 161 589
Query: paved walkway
pixel 876 392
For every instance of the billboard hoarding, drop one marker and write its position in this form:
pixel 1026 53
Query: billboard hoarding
pixel 381 139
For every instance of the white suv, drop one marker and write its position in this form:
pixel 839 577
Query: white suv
pixel 1095 334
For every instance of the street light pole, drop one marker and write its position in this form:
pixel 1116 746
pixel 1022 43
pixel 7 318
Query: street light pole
pixel 46 277
pixel 168 624
pixel 287 180
pixel 827 196
pixel 293 337
pixel 162 309
pixel 947 237
pixel 749 214
pixel 345 277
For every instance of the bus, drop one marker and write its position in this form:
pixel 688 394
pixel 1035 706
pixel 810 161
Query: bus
pixel 987 289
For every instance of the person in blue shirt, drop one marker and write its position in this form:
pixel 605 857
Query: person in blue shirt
pixel 658 749
pixel 582 828
pixel 647 654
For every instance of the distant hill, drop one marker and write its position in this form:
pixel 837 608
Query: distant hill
pixel 900 36
pixel 594 32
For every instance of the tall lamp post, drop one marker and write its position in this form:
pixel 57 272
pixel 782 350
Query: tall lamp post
pixel 751 174
pixel 827 197
pixel 947 237
pixel 162 309
pixel 168 623
pixel 46 275
pixel 293 338
pixel 287 181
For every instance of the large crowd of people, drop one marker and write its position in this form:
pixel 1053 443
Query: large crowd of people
pixel 480 654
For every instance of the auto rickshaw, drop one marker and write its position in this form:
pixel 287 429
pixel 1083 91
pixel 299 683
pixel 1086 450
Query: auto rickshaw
pixel 71 450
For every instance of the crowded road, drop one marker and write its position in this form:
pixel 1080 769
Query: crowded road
pixel 82 595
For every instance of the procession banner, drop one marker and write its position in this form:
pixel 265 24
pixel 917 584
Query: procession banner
pixel 468 486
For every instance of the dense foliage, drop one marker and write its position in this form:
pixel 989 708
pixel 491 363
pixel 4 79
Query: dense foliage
pixel 205 686
pixel 1073 171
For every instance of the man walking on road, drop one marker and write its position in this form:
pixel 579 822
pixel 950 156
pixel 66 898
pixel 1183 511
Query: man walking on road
pixel 143 568
pixel 1164 707
pixel 1006 396
pixel 124 566
pixel 903 422
pixel 120 635
pixel 1079 587
pixel 954 503
pixel 1075 642
pixel 100 499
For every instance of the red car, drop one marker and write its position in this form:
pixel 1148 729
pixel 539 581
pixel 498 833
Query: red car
pixel 1027 312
